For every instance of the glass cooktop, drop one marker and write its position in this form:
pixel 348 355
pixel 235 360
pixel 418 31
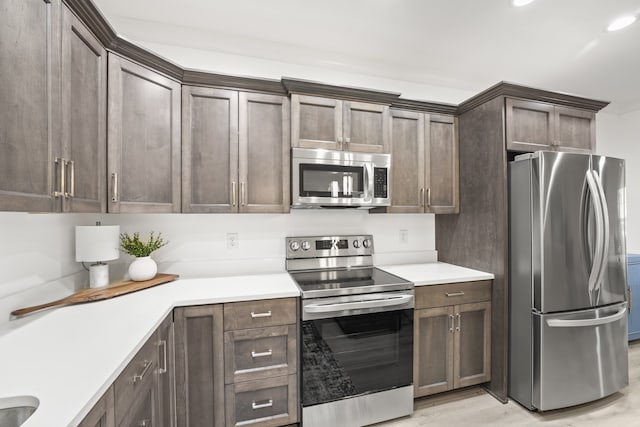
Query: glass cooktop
pixel 347 281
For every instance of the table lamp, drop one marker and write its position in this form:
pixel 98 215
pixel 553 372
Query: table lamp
pixel 97 244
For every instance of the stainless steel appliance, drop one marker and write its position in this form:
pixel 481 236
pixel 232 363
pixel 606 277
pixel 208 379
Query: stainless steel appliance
pixel 568 330
pixel 327 178
pixel 356 335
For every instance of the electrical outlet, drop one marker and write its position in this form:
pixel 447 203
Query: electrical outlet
pixel 404 236
pixel 232 241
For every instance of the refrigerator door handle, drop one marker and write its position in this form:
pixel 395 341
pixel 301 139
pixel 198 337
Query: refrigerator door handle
pixel 606 228
pixel 596 267
pixel 560 323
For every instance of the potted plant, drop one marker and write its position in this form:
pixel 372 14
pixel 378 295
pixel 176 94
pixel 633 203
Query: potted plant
pixel 143 267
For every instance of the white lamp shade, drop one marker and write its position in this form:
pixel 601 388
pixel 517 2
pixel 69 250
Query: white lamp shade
pixel 96 243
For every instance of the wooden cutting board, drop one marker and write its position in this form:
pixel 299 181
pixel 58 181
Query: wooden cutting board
pixel 96 294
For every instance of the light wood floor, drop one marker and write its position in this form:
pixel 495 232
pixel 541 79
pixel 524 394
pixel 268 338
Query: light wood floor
pixel 474 407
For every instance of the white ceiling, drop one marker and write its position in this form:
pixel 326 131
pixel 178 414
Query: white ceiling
pixel 560 45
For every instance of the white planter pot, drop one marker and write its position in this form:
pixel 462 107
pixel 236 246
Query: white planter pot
pixel 143 268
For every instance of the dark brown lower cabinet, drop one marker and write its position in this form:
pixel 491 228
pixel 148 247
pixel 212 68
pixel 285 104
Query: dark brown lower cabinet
pixel 452 343
pixel 101 415
pixel 199 366
pixel 270 402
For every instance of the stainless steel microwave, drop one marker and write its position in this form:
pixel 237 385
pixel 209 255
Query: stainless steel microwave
pixel 331 179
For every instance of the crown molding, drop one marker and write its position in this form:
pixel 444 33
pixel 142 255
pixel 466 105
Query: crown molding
pixel 307 87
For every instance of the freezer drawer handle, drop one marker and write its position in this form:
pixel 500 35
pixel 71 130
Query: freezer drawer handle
pixel 559 323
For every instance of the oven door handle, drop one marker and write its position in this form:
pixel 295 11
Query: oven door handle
pixel 341 306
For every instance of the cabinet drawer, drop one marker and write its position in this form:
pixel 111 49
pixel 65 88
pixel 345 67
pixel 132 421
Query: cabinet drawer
pixel 142 411
pixel 265 403
pixel 257 314
pixel 453 293
pixel 252 354
pixel 135 379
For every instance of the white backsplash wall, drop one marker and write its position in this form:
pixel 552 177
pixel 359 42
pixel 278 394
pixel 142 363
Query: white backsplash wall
pixel 37 251
pixel 619 136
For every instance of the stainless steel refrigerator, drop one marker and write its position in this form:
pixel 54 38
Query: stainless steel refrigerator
pixel 567 269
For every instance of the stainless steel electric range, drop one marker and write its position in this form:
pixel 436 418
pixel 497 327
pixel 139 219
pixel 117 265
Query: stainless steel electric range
pixel 356 334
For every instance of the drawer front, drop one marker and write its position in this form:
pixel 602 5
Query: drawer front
pixel 252 354
pixel 135 378
pixel 142 411
pixel 257 314
pixel 266 403
pixel 452 294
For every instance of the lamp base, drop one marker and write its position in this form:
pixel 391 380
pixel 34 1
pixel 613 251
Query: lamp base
pixel 98 275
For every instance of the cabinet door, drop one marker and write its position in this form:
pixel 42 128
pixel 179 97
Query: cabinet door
pixel 143 139
pixel 264 153
pixel 366 127
pixel 166 374
pixel 209 150
pixel 433 350
pixel 316 122
pixel 143 410
pixel 575 130
pixel 407 162
pixel 101 415
pixel 441 141
pixel 84 117
pixel 29 92
pixel 199 366
pixel 472 364
pixel 530 126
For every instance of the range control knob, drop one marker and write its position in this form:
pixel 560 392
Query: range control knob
pixel 366 243
pixel 294 245
pixel 356 244
pixel 306 245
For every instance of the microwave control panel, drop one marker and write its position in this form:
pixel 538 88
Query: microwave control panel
pixel 380 181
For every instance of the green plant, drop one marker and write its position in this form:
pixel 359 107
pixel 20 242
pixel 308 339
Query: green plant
pixel 136 247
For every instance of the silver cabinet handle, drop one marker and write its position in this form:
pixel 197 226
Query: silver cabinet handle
pixel 243 193
pixel 266 404
pixel 140 376
pixel 59 162
pixel 234 196
pixel 422 197
pixel 144 423
pixel 265 314
pixel 262 354
pixel 72 179
pixel 451 319
pixel 163 343
pixel 347 140
pixel 458 327
pixel 630 299
pixel 454 294
pixel 429 196
pixel 114 183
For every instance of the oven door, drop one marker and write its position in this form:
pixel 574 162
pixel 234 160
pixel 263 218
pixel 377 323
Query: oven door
pixel 352 355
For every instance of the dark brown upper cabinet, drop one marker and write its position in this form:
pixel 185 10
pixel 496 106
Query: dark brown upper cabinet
pixel 235 153
pixel 424 155
pixel 333 124
pixel 533 126
pixel 30 152
pixel 143 139
pixel 84 117
pixel 53 110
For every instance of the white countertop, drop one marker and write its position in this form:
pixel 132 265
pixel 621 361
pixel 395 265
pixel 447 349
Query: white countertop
pixel 68 357
pixel 436 273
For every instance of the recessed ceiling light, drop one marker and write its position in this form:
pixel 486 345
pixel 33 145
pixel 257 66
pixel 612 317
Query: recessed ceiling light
pixel 621 23
pixel 519 3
